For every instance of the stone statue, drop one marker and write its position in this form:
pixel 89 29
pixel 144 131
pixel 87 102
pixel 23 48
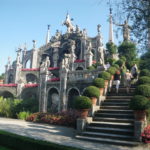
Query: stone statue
pixel 18 55
pixel 77 29
pixel 65 62
pixel 57 35
pixel 126 30
pixel 45 65
pixel 98 28
pixel 34 43
pixel 68 24
pixel 101 54
pixel 84 33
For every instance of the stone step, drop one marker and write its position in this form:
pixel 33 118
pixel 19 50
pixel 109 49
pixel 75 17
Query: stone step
pixel 108 141
pixel 115 107
pixel 119 97
pixel 115 104
pixel 122 120
pixel 117 100
pixel 120 94
pixel 115 111
pixel 112 124
pixel 114 115
pixel 108 135
pixel 128 132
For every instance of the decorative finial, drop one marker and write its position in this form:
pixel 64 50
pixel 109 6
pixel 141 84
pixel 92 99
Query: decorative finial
pixel 48 26
pixel 34 43
pixel 98 28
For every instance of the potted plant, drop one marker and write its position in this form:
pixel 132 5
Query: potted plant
pixel 139 104
pixel 144 80
pixel 143 89
pixel 99 83
pixel 93 93
pixel 106 76
pixel 83 104
pixel 146 135
pixel 112 71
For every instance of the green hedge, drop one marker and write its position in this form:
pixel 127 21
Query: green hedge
pixel 82 102
pixel 143 89
pixel 105 75
pixel 91 91
pixel 18 142
pixel 144 80
pixel 99 82
pixel 112 70
pixel 145 72
pixel 139 102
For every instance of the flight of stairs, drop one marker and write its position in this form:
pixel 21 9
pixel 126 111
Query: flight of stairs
pixel 114 122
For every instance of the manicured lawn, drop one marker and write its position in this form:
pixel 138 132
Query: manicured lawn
pixel 17 142
pixel 4 148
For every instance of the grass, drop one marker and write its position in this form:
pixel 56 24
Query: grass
pixel 18 142
pixel 4 148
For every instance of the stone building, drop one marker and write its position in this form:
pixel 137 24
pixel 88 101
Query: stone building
pixel 57 71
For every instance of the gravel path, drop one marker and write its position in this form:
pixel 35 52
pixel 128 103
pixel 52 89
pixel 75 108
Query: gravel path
pixel 56 134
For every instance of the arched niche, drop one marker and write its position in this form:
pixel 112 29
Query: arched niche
pixel 79 68
pixel 31 78
pixel 7 94
pixel 53 100
pixel 72 93
pixel 10 79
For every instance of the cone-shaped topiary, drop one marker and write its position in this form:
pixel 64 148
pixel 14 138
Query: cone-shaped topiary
pixel 145 72
pixel 144 80
pixel 99 82
pixel 112 70
pixel 82 102
pixel 91 91
pixel 105 75
pixel 139 102
pixel 143 89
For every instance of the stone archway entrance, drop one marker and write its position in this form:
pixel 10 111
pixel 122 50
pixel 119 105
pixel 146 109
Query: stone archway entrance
pixel 53 100
pixel 71 96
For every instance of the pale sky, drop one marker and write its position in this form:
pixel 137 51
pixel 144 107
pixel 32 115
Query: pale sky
pixel 25 20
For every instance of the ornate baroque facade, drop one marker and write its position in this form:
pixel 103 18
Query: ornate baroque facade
pixel 57 71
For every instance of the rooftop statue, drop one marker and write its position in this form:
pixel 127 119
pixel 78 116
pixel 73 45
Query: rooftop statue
pixel 126 30
pixel 68 24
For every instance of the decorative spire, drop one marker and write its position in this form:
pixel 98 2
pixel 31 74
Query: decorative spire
pixel 48 34
pixel 111 37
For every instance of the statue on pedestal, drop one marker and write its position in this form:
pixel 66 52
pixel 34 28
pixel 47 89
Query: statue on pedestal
pixel 45 65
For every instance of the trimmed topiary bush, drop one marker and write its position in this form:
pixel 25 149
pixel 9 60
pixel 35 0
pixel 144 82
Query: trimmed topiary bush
pixel 82 102
pixel 116 66
pixel 91 91
pixel 120 62
pixel 144 80
pixel 143 89
pixel 111 61
pixel 99 82
pixel 145 72
pixel 105 75
pixel 90 68
pixel 112 70
pixel 139 102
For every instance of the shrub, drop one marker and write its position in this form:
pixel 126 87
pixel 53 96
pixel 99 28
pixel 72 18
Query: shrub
pixel 123 58
pixel 23 115
pixel 145 72
pixel 112 48
pixel 143 89
pixel 90 68
pixel 116 66
pixel 120 62
pixel 91 91
pixel 139 102
pixel 111 61
pixel 112 70
pixel 144 80
pixel 99 82
pixel 82 102
pixel 105 75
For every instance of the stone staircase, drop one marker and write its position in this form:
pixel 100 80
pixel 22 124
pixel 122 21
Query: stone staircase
pixel 114 122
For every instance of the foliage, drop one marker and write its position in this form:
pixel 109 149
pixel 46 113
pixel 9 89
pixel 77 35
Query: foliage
pixel 145 61
pixel 23 115
pixel 65 118
pixel 2 76
pixel 82 102
pixel 120 62
pixel 145 72
pixel 144 80
pixel 105 75
pixel 99 82
pixel 139 102
pixel 111 61
pixel 143 89
pixel 90 68
pixel 123 58
pixel 112 48
pixel 96 65
pixel 91 91
pixel 146 135
pixel 112 70
pixel 18 142
pixel 116 66
pixel 128 50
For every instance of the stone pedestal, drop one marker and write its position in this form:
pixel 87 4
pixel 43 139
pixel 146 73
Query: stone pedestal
pixel 81 124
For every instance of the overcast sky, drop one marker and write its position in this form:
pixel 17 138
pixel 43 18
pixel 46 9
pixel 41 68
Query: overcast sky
pixel 22 21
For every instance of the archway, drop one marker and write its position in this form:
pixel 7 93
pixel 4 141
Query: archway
pixel 71 97
pixel 31 78
pixel 7 94
pixel 10 79
pixel 28 64
pixel 53 100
